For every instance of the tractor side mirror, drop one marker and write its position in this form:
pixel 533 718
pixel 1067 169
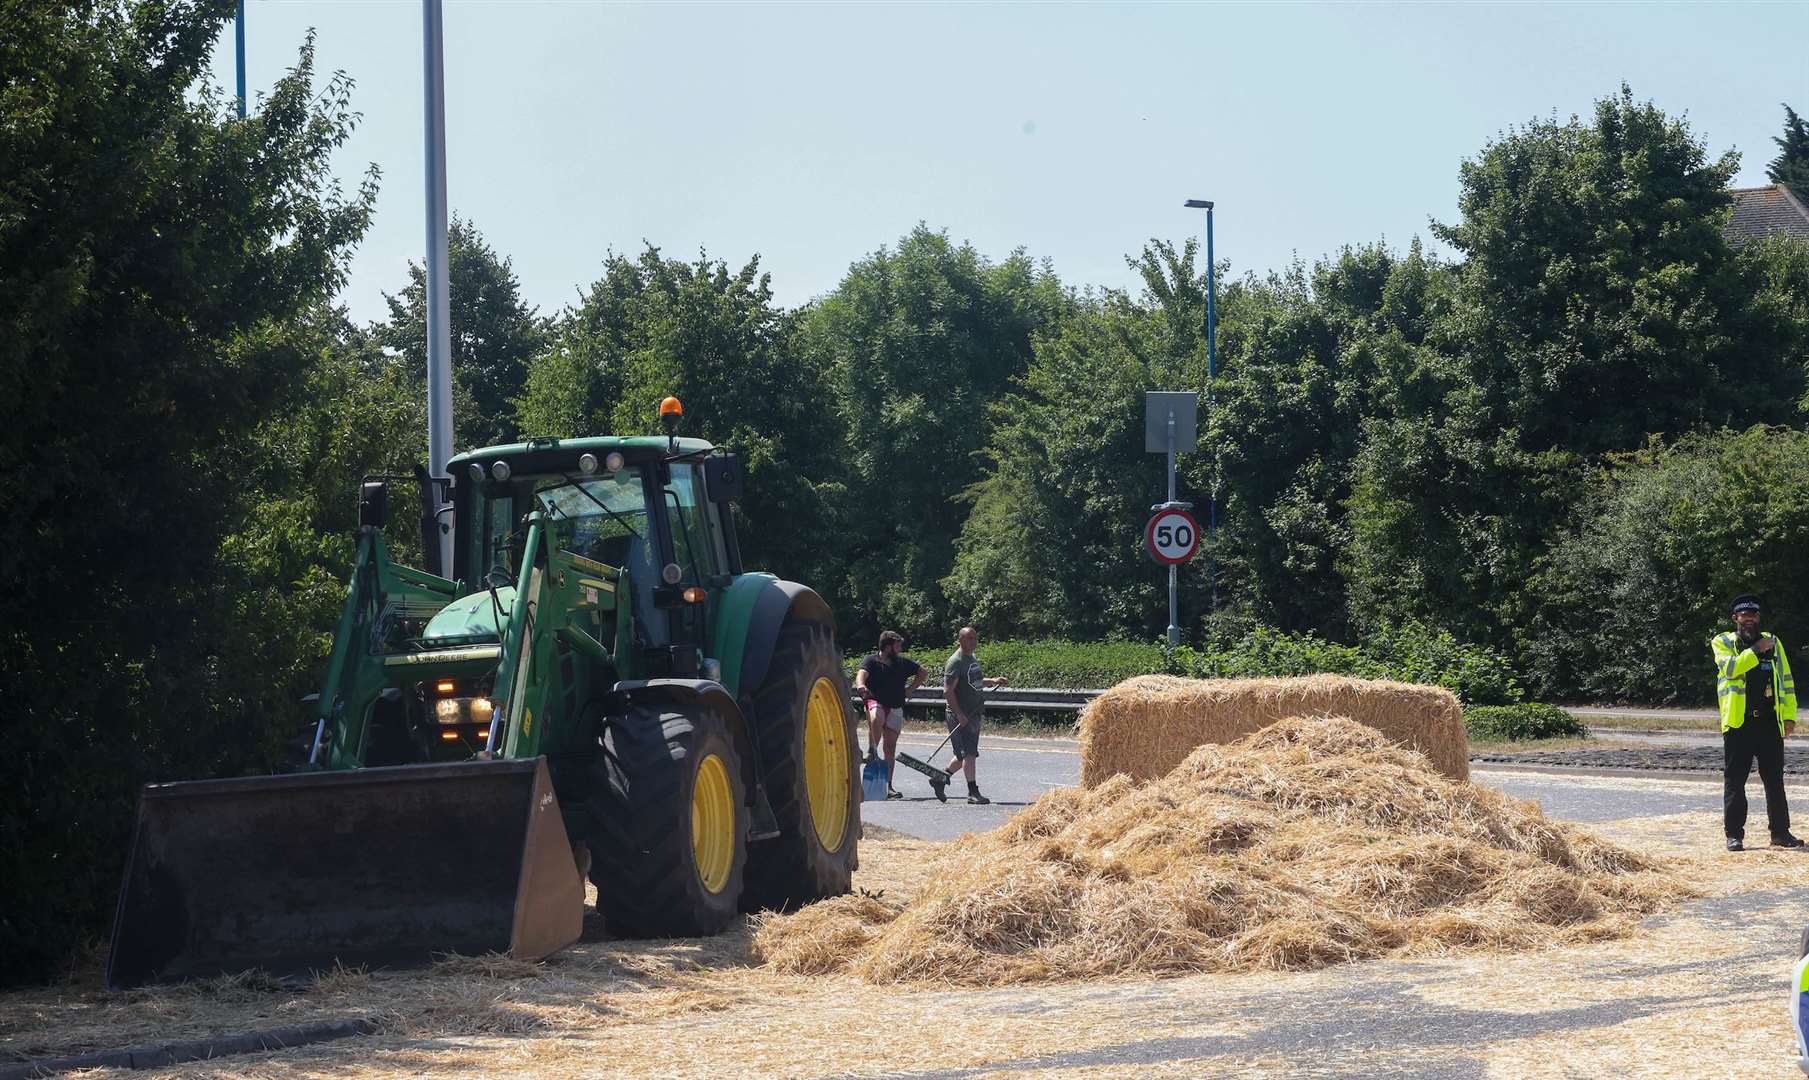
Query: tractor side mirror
pixel 373 504
pixel 722 477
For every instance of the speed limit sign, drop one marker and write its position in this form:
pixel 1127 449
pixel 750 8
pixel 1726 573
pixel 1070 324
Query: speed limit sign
pixel 1172 536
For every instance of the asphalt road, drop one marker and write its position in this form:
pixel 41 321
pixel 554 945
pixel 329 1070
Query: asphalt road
pixel 1015 770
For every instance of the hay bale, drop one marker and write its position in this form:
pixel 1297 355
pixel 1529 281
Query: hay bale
pixel 1314 841
pixel 1144 727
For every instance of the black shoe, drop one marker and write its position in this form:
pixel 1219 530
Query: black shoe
pixel 894 793
pixel 1786 840
pixel 871 758
pixel 940 787
pixel 1734 844
pixel 975 798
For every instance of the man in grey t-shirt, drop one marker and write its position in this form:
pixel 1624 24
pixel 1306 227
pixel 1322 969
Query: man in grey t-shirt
pixel 964 686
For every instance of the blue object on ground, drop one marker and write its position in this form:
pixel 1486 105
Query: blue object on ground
pixel 873 781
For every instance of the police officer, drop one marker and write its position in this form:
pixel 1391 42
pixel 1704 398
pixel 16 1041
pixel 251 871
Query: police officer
pixel 1758 708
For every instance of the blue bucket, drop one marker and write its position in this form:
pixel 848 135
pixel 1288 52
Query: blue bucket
pixel 873 781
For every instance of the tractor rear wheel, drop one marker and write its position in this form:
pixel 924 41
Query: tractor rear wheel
pixel 806 739
pixel 668 823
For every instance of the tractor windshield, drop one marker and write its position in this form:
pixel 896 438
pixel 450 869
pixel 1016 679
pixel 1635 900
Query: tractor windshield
pixel 599 517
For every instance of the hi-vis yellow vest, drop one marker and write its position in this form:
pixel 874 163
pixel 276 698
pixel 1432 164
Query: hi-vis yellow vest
pixel 1731 665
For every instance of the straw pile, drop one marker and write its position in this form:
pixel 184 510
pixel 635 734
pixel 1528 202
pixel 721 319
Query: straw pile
pixel 1312 842
pixel 1144 727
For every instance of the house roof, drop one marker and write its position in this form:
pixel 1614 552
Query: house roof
pixel 1766 211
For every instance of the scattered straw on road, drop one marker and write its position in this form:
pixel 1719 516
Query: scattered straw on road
pixel 1313 842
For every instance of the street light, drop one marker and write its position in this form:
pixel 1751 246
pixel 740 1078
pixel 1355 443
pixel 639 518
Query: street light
pixel 1212 502
pixel 238 35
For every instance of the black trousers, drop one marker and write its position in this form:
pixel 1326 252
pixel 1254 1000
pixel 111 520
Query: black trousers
pixel 1755 740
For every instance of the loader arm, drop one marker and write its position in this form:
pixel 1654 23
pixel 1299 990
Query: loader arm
pixel 564 603
pixel 382 603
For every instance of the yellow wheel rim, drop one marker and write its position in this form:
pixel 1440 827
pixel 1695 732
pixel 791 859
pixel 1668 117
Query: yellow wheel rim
pixel 713 824
pixel 826 763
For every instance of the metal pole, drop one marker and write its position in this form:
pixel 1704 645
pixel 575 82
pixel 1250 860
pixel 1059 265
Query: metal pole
pixel 239 38
pixel 439 333
pixel 1174 629
pixel 1212 493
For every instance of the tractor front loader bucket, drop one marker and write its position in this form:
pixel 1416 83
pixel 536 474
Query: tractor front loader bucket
pixel 383 867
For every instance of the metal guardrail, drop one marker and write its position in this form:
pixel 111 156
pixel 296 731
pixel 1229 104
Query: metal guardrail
pixel 1009 699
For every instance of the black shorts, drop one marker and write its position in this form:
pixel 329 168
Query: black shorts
pixel 965 739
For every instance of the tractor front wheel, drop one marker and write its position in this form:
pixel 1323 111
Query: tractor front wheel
pixel 807 743
pixel 668 823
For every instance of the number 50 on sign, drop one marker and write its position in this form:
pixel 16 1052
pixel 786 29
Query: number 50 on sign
pixel 1172 536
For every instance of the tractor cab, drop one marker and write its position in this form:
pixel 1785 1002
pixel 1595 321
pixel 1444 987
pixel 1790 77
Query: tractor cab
pixel 653 511
pixel 638 541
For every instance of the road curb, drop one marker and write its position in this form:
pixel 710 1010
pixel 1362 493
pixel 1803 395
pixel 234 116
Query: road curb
pixel 166 1054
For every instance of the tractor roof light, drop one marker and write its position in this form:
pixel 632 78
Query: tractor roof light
pixel 477 472
pixel 587 464
pixel 615 462
pixel 671 574
pixel 500 471
pixel 671 412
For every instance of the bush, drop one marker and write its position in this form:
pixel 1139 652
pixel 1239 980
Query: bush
pixel 1266 652
pixel 1063 665
pixel 1419 654
pixel 1629 598
pixel 1521 722
pixel 1412 653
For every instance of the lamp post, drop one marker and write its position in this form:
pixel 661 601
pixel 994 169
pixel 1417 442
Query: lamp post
pixel 238 34
pixel 1212 502
pixel 439 334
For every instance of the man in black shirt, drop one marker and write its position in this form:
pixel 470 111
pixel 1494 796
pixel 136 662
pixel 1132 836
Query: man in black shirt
pixel 884 681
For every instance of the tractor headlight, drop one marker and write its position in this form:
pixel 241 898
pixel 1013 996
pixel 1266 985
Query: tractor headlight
pixel 463 710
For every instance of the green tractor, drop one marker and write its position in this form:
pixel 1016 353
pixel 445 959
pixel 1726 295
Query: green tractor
pixel 594 685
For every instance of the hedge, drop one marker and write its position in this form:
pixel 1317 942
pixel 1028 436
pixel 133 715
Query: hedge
pixel 1517 723
pixel 1408 654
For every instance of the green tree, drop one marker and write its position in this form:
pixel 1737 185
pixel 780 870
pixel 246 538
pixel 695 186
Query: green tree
pixel 494 336
pixel 1053 545
pixel 916 341
pixel 154 251
pixel 1303 357
pixel 712 337
pixel 1596 302
pixel 286 559
pixel 1791 166
pixel 1640 579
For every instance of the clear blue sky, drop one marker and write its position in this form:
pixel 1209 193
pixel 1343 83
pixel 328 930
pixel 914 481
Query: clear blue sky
pixel 812 134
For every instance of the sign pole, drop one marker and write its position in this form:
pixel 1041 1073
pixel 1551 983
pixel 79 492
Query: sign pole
pixel 1174 630
pixel 1170 427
